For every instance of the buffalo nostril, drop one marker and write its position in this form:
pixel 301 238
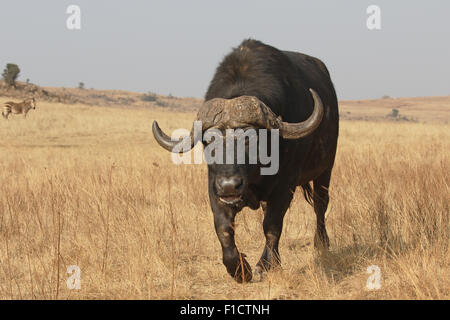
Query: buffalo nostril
pixel 237 181
pixel 229 185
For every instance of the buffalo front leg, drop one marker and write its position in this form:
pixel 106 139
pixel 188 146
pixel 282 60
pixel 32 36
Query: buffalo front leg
pixel 274 212
pixel 233 260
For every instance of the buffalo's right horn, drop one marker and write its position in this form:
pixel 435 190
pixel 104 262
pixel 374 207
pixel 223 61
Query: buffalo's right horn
pixel 167 143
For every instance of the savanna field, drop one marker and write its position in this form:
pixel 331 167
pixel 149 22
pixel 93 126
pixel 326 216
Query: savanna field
pixel 89 186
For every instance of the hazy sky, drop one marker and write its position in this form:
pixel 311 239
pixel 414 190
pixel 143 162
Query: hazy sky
pixel 175 46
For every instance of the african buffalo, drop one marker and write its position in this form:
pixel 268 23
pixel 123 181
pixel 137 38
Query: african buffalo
pixel 258 86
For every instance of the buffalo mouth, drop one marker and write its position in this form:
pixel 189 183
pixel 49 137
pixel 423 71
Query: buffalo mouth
pixel 231 199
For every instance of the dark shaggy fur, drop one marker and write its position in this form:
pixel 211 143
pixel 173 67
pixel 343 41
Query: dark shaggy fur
pixel 281 79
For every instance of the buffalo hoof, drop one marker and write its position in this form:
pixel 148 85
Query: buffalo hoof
pixel 243 272
pixel 258 274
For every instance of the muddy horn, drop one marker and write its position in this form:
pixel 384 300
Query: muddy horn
pixel 167 143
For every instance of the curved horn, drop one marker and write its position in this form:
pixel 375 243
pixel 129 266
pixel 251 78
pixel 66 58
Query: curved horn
pixel 304 128
pixel 167 143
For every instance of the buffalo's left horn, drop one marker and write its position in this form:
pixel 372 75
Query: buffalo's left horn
pixel 167 143
pixel 304 128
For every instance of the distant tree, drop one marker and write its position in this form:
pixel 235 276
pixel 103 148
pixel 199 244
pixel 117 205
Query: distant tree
pixel 27 81
pixel 394 113
pixel 81 85
pixel 10 74
pixel 385 97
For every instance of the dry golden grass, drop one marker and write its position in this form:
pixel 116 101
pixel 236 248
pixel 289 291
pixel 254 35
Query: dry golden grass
pixel 88 186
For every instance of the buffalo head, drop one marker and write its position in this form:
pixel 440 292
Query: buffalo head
pixel 230 183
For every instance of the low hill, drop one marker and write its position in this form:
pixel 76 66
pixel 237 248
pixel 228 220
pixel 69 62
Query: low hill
pixel 94 97
pixel 418 109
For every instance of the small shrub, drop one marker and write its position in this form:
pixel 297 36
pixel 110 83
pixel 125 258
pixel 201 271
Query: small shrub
pixel 162 104
pixel 149 97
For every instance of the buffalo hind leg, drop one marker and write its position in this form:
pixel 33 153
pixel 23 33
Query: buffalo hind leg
pixel 274 212
pixel 320 199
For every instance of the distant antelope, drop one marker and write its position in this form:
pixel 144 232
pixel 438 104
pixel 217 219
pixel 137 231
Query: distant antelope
pixel 18 108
